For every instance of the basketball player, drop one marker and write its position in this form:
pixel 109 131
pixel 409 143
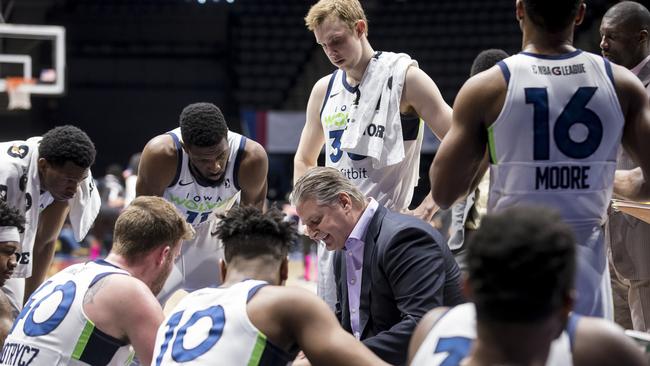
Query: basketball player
pixel 45 178
pixel 521 312
pixel 341 28
pixel 11 224
pixel 251 319
pixel 552 119
pixel 201 167
pixel 89 313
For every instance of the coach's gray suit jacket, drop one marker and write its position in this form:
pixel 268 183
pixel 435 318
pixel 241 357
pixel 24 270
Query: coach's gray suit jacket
pixel 407 271
pixel 629 238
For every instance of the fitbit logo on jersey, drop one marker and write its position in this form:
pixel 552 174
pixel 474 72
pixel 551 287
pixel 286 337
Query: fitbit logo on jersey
pixel 352 173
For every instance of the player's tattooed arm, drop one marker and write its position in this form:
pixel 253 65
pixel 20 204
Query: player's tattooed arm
pixel 92 291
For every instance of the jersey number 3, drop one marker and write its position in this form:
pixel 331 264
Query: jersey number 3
pixel 457 348
pixel 574 112
pixel 337 154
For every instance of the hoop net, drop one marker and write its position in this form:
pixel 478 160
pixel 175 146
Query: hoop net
pixel 19 97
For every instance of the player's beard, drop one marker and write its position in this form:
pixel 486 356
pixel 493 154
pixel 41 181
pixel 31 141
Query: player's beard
pixel 204 180
pixel 159 281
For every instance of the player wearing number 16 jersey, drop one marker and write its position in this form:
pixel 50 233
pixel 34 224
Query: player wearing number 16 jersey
pixel 251 319
pixel 551 121
pixel 89 313
pixel 201 167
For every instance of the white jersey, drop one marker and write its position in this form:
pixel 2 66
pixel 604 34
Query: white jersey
pixel 53 329
pixel 211 327
pixel 450 339
pixel 556 139
pixel 391 186
pixel 197 201
pixel 555 144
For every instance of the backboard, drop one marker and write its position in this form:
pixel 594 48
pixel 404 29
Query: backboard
pixel 35 52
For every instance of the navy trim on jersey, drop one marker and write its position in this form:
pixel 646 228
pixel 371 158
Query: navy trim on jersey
pixel 238 157
pixel 103 262
pixel 572 327
pixel 410 127
pixel 505 70
pixel 276 356
pixel 608 69
pixel 348 87
pixel 253 291
pixel 102 275
pixel 179 154
pixel 100 348
pixel 329 90
pixel 563 56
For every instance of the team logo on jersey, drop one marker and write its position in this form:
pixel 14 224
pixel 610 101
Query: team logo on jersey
pixel 226 183
pixel 18 151
pixel 3 192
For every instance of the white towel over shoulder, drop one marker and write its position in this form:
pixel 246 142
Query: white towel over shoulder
pixel 380 93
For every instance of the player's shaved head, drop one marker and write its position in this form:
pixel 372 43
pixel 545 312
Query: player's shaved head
pixel 630 15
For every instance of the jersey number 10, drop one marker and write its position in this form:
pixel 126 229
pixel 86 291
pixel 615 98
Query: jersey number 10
pixel 574 112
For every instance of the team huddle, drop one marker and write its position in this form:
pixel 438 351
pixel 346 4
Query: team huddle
pixel 530 286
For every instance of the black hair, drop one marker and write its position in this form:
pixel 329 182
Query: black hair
pixel 67 143
pixel 552 15
pixel 10 216
pixel 203 125
pixel 521 265
pixel 486 59
pixel 248 233
pixel 631 14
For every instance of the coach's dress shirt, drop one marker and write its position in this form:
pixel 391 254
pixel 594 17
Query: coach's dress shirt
pixel 637 69
pixel 354 263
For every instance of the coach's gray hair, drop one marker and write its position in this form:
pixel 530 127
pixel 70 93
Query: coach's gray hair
pixel 324 186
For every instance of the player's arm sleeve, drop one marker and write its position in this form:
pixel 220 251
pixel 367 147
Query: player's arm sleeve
pixel 415 268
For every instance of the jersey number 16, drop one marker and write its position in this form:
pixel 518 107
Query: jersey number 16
pixel 574 112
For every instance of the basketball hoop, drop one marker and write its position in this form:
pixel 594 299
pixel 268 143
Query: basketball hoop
pixel 18 93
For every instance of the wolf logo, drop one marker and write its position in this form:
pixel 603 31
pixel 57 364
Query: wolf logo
pixel 18 151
